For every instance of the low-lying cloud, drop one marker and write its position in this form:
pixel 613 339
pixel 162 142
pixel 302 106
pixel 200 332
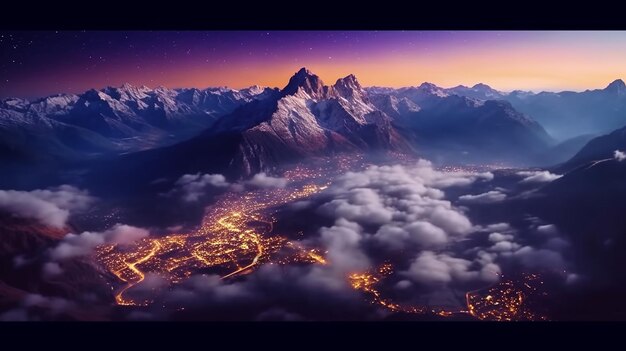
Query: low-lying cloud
pixel 262 180
pixel 36 307
pixel 192 187
pixel 401 213
pixel 51 207
pixel 76 245
pixel 484 198
pixel 385 210
pixel 434 269
pixel 538 176
pixel 51 269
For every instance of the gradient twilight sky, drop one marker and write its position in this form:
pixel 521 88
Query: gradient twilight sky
pixel 42 63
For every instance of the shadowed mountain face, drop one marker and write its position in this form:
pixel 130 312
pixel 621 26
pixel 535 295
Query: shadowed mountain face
pixel 564 150
pixel 41 138
pixel 23 247
pixel 123 119
pixel 564 115
pixel 589 204
pixel 597 149
pixel 589 200
pixel 568 114
pixel 452 127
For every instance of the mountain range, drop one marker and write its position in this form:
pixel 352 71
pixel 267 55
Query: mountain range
pixel 124 130
pixel 308 118
pixel 568 114
pixel 460 127
pixel 121 119
pixel 565 115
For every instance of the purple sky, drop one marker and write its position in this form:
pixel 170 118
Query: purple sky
pixel 42 63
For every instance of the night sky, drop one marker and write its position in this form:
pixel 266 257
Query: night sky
pixel 36 64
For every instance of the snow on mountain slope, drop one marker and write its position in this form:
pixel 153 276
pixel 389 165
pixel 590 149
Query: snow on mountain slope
pixel 305 119
pixel 479 91
pixel 117 119
pixel 310 118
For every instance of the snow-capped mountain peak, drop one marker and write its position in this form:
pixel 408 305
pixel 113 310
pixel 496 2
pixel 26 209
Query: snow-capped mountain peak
pixel 349 87
pixel 254 90
pixel 433 89
pixel 306 82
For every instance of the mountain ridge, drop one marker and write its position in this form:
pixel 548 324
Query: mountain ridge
pixel 307 118
pixel 256 129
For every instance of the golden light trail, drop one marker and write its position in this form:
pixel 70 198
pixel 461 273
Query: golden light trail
pixel 119 298
pixel 317 257
pixel 367 281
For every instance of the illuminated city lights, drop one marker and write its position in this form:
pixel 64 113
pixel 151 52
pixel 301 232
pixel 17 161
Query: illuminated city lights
pixel 234 238
pixel 505 301
pixel 508 300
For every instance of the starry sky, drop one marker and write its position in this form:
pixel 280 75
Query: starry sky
pixel 34 64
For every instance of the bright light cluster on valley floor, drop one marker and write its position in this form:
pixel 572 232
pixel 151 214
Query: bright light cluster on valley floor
pixel 233 239
pixel 509 300
pixel 504 301
pixel 367 282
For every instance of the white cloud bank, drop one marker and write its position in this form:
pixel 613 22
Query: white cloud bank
pixel 484 198
pixel 404 210
pixel 538 176
pixel 191 187
pixel 75 245
pixel 262 180
pixel 431 269
pixel 51 207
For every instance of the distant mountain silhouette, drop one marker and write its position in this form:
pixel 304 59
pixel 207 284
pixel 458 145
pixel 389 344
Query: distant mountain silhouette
pixel 568 114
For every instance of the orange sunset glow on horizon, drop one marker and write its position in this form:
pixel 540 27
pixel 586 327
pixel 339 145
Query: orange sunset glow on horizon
pixel 509 60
